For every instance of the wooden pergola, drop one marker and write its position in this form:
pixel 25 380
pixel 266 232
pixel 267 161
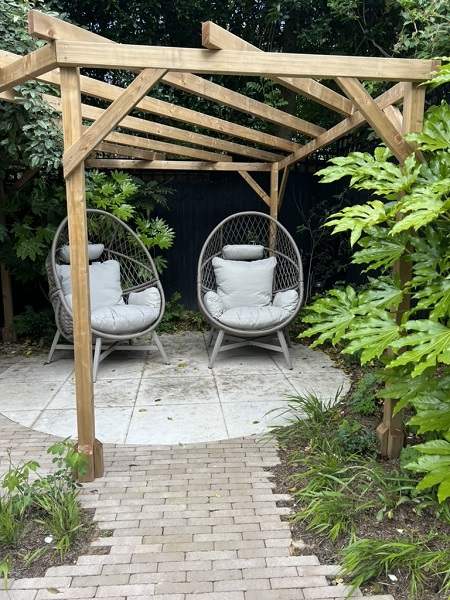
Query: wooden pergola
pixel 153 145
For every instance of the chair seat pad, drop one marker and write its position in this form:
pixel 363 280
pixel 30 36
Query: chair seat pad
pixel 122 319
pixel 253 318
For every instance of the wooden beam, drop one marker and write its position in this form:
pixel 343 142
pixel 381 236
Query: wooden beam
pixel 395 116
pixel 46 27
pixel 255 186
pixel 111 117
pixel 217 93
pixel 375 116
pixel 217 38
pixel 274 190
pixel 168 132
pixel 175 165
pixel 92 113
pixel 79 273
pixel 283 185
pixel 165 148
pixel 28 67
pixel 229 62
pixel 128 151
pixel 392 96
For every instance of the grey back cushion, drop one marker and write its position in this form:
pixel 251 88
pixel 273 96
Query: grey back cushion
pixel 242 283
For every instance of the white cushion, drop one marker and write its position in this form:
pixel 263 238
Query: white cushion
pixel 241 283
pixel 149 297
pixel 123 318
pixel 104 283
pixel 94 252
pixel 213 304
pixel 254 318
pixel 242 252
pixel 287 300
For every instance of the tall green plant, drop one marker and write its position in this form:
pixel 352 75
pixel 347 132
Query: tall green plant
pixel 417 366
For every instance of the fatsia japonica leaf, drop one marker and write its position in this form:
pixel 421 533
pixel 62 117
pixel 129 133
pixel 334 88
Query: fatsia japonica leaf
pixel 380 249
pixel 437 419
pixel 372 335
pixel 436 168
pixel 431 254
pixel 423 206
pixel 429 344
pixel 384 292
pixel 435 296
pixel 357 218
pixel 436 464
pixel 435 134
pixel 331 315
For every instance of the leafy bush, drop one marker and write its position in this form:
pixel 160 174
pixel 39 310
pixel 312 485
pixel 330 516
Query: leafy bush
pixel 353 438
pixel 417 369
pixel 34 325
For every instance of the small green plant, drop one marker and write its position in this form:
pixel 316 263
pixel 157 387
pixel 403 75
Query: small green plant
pixel 353 438
pixel 368 559
pixel 172 315
pixel 50 500
pixel 363 400
pixel 35 325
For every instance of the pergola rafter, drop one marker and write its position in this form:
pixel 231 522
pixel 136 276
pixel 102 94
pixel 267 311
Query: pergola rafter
pixel 119 137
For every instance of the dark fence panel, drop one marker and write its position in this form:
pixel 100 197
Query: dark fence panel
pixel 202 200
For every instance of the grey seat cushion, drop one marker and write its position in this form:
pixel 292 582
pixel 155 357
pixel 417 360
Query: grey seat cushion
pixel 253 318
pixel 123 319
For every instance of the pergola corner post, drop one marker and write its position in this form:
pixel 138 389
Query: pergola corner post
pixel 390 432
pixel 79 272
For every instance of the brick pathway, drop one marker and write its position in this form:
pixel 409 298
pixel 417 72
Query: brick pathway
pixel 187 522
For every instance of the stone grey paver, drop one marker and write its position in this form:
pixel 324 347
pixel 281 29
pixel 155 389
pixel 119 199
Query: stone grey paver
pixel 188 523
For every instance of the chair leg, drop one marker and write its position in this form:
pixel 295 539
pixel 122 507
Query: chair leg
pixel 53 347
pixel 287 337
pixel 160 347
pixel 216 349
pixel 210 337
pixel 97 352
pixel 285 348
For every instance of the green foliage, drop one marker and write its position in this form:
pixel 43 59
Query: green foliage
pixel 368 559
pixel 353 438
pixel 363 399
pixel 172 315
pixel 425 29
pixel 34 325
pixel 50 500
pixel 414 344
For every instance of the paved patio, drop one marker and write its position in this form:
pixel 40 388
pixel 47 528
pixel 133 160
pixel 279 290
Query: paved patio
pixel 190 518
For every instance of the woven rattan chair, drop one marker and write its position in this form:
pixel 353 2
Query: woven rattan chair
pixel 127 299
pixel 250 283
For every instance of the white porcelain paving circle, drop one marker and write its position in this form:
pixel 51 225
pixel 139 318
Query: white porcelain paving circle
pixel 140 400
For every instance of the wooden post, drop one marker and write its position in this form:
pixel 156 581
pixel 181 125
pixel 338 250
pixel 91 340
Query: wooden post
pixel 79 272
pixel 273 200
pixel 8 335
pixel 390 431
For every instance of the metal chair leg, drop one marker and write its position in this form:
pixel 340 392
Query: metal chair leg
pixel 285 348
pixel 216 349
pixel 53 347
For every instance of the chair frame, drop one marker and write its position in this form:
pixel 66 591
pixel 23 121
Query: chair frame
pixel 288 276
pixel 141 263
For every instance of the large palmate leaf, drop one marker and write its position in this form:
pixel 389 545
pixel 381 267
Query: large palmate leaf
pixel 380 249
pixel 423 205
pixel 437 466
pixel 384 292
pixel 357 218
pixel 422 391
pixel 331 316
pixel 435 134
pixel 432 420
pixel 429 344
pixel 372 335
pixel 435 296
pixel 431 255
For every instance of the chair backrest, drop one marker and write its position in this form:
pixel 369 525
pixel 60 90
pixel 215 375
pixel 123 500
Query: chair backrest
pixel 110 239
pixel 253 228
